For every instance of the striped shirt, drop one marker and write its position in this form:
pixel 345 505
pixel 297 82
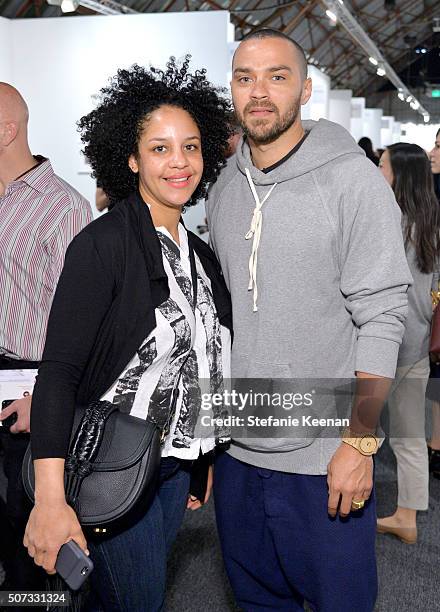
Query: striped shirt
pixel 39 215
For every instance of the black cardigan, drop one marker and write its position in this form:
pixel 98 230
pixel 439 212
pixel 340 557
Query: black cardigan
pixel 112 281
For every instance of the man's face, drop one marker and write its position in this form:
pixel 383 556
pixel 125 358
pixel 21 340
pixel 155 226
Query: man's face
pixel 268 88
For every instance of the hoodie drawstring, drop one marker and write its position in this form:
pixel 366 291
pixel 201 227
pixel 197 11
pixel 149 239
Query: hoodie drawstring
pixel 255 231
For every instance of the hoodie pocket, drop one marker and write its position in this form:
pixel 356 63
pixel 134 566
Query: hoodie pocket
pixel 271 408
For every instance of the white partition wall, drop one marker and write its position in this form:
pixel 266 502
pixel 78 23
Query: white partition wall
pixel 397 131
pixel 386 131
pixel 5 50
pixel 357 118
pixel 372 125
pixel 340 107
pixel 419 133
pixel 59 63
pixel 317 106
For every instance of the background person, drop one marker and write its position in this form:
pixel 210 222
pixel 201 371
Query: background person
pixel 433 389
pixel 101 199
pixel 156 140
pixel 39 215
pixel 366 144
pixel 407 169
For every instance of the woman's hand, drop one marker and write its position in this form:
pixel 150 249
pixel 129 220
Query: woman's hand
pixel 194 503
pixel 50 526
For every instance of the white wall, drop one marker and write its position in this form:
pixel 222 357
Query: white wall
pixel 5 50
pixel 59 63
pixel 357 118
pixel 387 131
pixel 372 125
pixel 421 134
pixel 340 107
pixel 397 131
pixel 317 106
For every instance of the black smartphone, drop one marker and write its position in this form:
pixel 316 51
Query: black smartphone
pixel 7 423
pixel 73 565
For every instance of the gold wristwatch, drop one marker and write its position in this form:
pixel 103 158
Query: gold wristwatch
pixel 367 444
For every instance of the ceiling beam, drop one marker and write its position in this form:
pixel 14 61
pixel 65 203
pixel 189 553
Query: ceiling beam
pixel 296 20
pixel 277 13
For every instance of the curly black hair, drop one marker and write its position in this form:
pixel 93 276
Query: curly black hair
pixel 112 131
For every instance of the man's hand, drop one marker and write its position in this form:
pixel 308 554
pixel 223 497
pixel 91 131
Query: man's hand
pixel 350 474
pixel 23 409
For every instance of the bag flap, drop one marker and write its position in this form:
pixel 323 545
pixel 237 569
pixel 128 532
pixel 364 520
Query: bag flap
pixel 126 440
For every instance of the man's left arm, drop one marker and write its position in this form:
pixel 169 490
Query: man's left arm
pixel 71 224
pixel 374 282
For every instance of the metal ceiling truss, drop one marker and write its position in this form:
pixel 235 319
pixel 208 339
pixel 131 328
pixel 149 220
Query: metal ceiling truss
pixel 337 50
pixel 360 36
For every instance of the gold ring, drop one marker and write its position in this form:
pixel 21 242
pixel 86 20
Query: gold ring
pixel 357 505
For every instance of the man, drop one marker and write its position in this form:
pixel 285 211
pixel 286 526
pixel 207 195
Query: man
pixel 39 215
pixel 308 236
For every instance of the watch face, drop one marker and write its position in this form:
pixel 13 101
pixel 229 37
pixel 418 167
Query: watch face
pixel 368 444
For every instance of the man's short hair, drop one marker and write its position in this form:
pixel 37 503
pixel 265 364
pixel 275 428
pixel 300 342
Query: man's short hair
pixel 271 33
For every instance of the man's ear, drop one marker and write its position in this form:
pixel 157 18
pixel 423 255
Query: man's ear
pixel 306 91
pixel 8 132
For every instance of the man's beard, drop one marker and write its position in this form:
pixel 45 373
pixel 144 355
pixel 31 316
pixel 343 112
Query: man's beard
pixel 262 132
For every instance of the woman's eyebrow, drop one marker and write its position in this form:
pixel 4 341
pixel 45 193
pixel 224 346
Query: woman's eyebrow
pixel 159 139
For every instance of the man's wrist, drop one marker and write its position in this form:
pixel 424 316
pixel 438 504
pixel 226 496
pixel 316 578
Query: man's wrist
pixel 366 444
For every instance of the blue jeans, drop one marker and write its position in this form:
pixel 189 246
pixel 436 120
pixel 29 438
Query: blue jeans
pixel 280 547
pixel 130 568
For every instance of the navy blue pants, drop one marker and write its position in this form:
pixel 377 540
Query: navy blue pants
pixel 281 548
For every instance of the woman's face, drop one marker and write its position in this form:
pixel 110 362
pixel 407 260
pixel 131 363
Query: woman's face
pixel 169 160
pixel 385 167
pixel 434 156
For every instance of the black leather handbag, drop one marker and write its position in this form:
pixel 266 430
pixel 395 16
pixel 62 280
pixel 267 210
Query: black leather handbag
pixel 111 468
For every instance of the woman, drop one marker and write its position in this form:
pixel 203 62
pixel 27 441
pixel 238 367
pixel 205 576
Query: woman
pixel 406 168
pixel 433 390
pixel 123 325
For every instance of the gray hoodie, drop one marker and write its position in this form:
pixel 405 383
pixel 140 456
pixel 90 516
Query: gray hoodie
pixel 318 275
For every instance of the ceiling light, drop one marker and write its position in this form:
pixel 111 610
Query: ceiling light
pixel 69 6
pixel 331 15
pixel 373 60
pixel 381 71
pixel 401 96
pixel 409 98
pixel 426 118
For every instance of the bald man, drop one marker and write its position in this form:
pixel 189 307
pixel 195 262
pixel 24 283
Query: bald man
pixel 39 215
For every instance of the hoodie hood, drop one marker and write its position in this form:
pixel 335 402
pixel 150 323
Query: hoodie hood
pixel 325 142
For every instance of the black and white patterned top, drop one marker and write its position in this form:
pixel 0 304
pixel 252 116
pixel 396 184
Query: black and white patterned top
pixel 192 343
